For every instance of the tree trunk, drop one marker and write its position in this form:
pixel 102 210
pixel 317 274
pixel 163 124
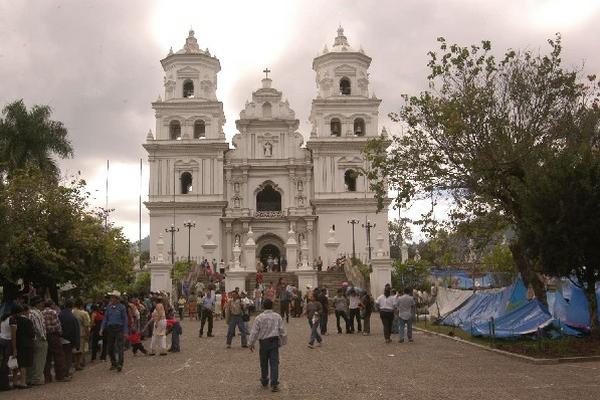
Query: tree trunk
pixel 528 271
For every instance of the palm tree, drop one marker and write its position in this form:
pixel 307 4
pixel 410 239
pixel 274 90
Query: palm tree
pixel 31 137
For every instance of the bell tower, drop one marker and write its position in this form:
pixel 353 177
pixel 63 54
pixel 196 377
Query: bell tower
pixel 186 151
pixel 344 116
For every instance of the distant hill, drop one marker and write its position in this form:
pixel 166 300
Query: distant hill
pixel 145 244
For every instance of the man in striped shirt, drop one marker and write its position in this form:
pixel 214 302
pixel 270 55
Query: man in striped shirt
pixel 269 329
pixel 35 374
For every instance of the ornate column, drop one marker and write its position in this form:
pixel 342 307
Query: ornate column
pixel 249 252
pixel 381 268
pixel 236 277
pixel 160 270
pixel 291 251
pixel 331 245
pixel 311 241
pixel 306 275
pixel 228 242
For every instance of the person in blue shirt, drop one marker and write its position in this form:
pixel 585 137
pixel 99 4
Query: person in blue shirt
pixel 115 330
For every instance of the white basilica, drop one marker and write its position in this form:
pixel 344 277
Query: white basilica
pixel 272 192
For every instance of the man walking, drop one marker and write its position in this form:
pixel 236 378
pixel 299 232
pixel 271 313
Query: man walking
pixel 114 329
pixel 405 305
pixel 284 304
pixel 233 317
pixel 269 330
pixel 70 333
pixel 340 305
pixel 208 308
pixel 55 354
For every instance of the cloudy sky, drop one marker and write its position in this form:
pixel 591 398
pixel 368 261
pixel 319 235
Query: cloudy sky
pixel 96 63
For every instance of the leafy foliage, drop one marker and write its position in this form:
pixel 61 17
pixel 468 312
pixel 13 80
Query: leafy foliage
pixel 31 137
pixel 412 275
pixel 180 270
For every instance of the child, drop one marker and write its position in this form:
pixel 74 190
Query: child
pixel 136 342
pixel 174 327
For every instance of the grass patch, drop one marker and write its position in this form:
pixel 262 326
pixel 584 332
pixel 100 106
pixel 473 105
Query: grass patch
pixel 543 348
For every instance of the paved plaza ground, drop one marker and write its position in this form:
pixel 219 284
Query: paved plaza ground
pixel 346 367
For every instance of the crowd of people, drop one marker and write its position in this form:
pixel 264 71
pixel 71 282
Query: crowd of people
pixel 42 343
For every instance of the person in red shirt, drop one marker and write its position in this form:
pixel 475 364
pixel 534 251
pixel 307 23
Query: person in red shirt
pixel 136 342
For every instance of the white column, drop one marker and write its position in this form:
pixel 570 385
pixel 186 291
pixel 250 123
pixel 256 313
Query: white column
pixel 291 251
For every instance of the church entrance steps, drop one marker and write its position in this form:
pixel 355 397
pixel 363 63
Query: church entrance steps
pixel 333 280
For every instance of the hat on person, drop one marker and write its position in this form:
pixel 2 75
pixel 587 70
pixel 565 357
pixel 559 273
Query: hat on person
pixel 114 293
pixel 35 300
pixel 309 287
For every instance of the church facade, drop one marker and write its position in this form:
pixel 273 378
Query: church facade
pixel 289 194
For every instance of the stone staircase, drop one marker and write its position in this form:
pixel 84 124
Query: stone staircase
pixel 288 278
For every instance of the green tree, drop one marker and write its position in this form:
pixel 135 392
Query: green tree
pixel 482 127
pixel 412 275
pixel 31 137
pixel 50 237
pixel 399 232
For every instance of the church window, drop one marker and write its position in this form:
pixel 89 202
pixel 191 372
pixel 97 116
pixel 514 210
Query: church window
pixel 186 183
pixel 359 127
pixel 199 129
pixel 267 110
pixel 188 89
pixel 175 130
pixel 345 86
pixel 268 199
pixel 350 180
pixel 336 127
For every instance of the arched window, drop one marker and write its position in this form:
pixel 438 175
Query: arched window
pixel 188 89
pixel 267 110
pixel 186 183
pixel 268 199
pixel 350 180
pixel 336 127
pixel 345 86
pixel 359 127
pixel 199 129
pixel 175 130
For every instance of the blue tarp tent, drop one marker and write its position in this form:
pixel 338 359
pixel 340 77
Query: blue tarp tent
pixel 462 279
pixel 523 320
pixel 485 304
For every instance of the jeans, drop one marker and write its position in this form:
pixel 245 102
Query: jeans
pixel 206 315
pixel 175 337
pixel 323 322
pixel 367 323
pixel 314 332
pixel 338 315
pixel 236 320
pixel 355 313
pixel 68 351
pixel 408 323
pixel 269 355
pixel 387 317
pixel 114 337
pixel 284 309
pixel 5 352
pixel 56 354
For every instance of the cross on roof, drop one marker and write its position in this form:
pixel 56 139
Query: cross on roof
pixel 266 71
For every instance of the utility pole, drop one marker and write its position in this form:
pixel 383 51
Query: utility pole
pixel 353 222
pixel 368 227
pixel 189 225
pixel 172 231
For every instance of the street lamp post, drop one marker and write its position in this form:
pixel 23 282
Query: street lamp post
pixel 172 231
pixel 189 225
pixel 353 222
pixel 368 227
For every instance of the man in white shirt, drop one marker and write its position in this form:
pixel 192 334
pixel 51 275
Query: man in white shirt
pixel 405 305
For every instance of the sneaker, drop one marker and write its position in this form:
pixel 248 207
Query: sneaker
pixel 119 368
pixel 401 341
pixel 410 340
pixel 200 335
pixel 275 388
pixel 112 367
pixel 228 346
pixel 244 346
pixel 319 344
pixel 209 335
pixel 310 346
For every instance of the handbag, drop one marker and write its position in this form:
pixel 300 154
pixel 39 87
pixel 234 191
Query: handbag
pixel 12 362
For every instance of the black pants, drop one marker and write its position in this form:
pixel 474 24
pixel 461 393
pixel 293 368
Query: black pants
pixel 323 322
pixel 206 315
pixel 114 346
pixel 284 310
pixel 5 351
pixel 355 313
pixel 269 357
pixel 68 350
pixel 387 318
pixel 138 346
pixel 367 322
pixel 338 315
pixel 180 313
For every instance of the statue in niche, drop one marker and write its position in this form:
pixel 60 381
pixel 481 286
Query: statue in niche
pixel 236 202
pixel 268 149
pixel 300 238
pixel 300 186
pixel 236 187
pixel 237 241
pixel 301 201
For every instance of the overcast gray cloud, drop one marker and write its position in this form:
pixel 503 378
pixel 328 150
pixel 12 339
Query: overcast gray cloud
pixel 97 62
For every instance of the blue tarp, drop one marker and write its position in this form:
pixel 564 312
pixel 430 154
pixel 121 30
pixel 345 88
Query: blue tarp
pixel 523 320
pixel 578 310
pixel 462 279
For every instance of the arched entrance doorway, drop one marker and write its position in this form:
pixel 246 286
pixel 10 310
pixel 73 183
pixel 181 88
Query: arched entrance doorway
pixel 269 245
